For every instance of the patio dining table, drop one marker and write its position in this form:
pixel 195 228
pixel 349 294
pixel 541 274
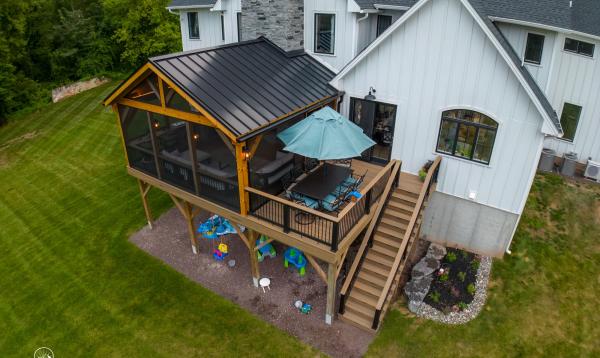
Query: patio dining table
pixel 322 181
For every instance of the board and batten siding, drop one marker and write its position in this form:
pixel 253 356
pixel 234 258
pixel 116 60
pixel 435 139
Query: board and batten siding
pixel 345 31
pixel 210 26
pixel 440 59
pixel 566 77
pixel 576 79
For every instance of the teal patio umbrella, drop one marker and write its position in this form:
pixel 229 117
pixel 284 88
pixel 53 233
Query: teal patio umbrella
pixel 326 135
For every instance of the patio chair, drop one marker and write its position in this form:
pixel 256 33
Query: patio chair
pixel 334 201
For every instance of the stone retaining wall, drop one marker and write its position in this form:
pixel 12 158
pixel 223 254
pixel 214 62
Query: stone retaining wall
pixel 72 89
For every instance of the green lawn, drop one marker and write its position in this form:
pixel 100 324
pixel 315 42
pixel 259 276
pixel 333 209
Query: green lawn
pixel 544 299
pixel 70 280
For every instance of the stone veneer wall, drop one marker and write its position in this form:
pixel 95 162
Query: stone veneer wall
pixel 281 21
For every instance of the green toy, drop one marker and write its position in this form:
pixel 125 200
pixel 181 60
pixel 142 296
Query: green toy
pixel 266 250
pixel 295 257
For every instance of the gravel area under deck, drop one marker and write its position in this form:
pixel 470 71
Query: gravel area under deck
pixel 169 241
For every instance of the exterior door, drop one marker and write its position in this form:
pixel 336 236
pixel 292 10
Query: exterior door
pixel 377 120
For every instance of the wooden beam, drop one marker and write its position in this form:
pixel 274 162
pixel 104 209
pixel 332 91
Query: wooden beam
pixel 316 249
pixel 227 142
pixel 161 90
pixel 250 241
pixel 267 242
pixel 242 173
pixel 330 308
pixel 192 102
pixel 341 264
pixel 254 145
pixel 317 268
pixel 166 111
pixel 132 81
pixel 242 236
pixel 144 188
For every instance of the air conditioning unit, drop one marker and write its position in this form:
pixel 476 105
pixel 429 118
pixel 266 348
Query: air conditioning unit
pixel 592 171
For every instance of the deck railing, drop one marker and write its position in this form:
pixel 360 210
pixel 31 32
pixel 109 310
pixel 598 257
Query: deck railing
pixel 324 228
pixel 413 226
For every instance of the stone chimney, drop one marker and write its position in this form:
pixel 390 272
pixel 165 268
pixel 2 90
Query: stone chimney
pixel 281 21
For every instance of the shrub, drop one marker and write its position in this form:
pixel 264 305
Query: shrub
pixel 475 265
pixel 451 257
pixel 462 306
pixel 462 276
pixel 445 276
pixel 435 296
pixel 471 289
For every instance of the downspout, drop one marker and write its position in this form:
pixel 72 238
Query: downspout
pixel 357 36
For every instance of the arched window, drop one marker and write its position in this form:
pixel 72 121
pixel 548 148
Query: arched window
pixel 467 134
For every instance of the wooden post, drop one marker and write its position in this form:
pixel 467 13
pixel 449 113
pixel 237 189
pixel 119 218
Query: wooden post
pixel 187 210
pixel 252 236
pixel 242 172
pixel 144 188
pixel 331 278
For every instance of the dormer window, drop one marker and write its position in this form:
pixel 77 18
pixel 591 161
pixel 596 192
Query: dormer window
pixel 579 47
pixel 534 49
pixel 193 26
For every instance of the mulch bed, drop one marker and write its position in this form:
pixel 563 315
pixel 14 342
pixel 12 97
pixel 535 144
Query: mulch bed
pixel 453 286
pixel 169 242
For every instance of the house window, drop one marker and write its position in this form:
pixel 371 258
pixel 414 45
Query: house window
pixel 569 120
pixel 579 47
pixel 534 49
pixel 324 33
pixel 239 26
pixel 193 25
pixel 467 134
pixel 383 22
pixel 222 27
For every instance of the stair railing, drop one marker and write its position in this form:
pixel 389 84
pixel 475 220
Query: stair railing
pixel 392 182
pixel 430 179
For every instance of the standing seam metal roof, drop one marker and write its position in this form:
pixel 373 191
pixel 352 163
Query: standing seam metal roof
pixel 248 85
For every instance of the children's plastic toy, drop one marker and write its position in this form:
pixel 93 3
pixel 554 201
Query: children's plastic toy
pixel 266 250
pixel 221 252
pixel 303 307
pixel 216 226
pixel 295 257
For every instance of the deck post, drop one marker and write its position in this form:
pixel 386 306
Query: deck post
pixel 144 188
pixel 330 310
pixel 252 236
pixel 191 227
pixel 242 173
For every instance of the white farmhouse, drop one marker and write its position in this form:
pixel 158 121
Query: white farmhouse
pixel 485 84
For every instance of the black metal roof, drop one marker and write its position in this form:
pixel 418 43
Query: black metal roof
pixel 370 4
pixel 583 16
pixel 247 85
pixel 191 3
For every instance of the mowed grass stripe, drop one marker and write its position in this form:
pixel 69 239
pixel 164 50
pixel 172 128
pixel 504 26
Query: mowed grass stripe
pixel 76 284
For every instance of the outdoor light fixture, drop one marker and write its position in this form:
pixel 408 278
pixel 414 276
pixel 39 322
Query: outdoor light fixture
pixel 246 153
pixel 371 96
pixel 156 124
pixel 196 136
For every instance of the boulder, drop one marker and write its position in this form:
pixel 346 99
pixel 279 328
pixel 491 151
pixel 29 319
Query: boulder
pixel 425 267
pixel 417 289
pixel 436 251
pixel 414 306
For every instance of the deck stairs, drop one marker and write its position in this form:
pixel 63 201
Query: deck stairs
pixel 375 280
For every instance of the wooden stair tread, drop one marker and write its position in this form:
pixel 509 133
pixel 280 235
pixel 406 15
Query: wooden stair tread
pixel 404 197
pixel 367 287
pixel 397 215
pixel 357 320
pixel 389 232
pixel 394 223
pixel 363 297
pixel 384 240
pixel 375 268
pixel 382 259
pixel 399 206
pixel 383 249
pixel 378 280
pixel 356 306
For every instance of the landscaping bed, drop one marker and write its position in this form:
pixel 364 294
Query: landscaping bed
pixel 453 286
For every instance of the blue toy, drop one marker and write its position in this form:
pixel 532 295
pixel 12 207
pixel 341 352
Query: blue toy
pixel 295 257
pixel 216 226
pixel 266 250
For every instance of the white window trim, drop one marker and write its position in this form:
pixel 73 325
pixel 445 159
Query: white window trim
pixel 187 22
pixel 562 108
pixel 314 30
pixel 562 47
